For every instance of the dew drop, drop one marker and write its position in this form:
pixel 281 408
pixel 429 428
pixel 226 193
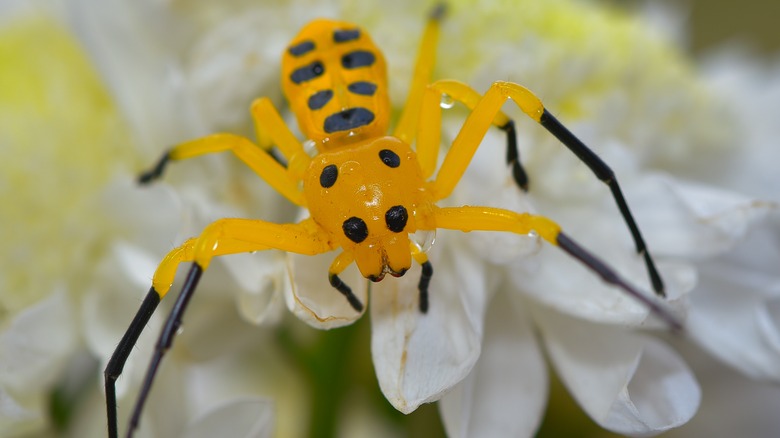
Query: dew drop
pixel 446 101
pixel 424 239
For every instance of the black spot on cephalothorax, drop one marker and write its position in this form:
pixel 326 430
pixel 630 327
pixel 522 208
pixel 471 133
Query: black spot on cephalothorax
pixel 390 158
pixel 363 88
pixel 307 72
pixel 320 99
pixel 396 218
pixel 301 48
pixel 329 175
pixel 355 229
pixel 342 36
pixel 358 58
pixel 348 119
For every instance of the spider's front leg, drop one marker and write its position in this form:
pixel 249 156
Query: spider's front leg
pixel 486 110
pixel 496 219
pixel 226 236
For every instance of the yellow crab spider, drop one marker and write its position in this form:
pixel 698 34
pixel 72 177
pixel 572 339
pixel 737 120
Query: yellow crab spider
pixel 366 191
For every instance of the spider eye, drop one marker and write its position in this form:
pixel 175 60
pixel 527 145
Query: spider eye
pixel 396 218
pixel 355 229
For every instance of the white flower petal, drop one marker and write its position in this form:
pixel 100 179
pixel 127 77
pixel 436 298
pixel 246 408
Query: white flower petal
pixel 314 300
pixel 15 418
pixel 723 390
pixel 559 281
pixel 107 310
pixel 418 357
pixel 734 312
pixel 148 215
pixel 738 326
pixel 245 417
pixel 134 46
pixel 506 392
pixel 685 219
pixel 263 281
pixel 230 62
pixel 35 344
pixel 137 264
pixel 34 347
pixel 629 383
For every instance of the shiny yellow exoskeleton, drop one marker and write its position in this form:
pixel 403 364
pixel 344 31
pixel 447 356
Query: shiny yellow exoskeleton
pixel 366 191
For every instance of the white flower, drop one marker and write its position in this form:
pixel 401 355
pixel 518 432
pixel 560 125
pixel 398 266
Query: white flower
pixel 51 172
pixel 185 69
pixel 629 383
pixel 82 240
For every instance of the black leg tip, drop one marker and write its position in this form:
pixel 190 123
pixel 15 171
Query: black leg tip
pixel 155 173
pixel 438 12
pixel 345 290
pixel 424 303
pixel 355 303
pixel 425 280
pixel 519 175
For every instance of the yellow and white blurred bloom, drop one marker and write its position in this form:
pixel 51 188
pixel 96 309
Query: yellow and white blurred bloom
pixel 83 240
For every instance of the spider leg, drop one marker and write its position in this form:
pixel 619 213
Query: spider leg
pixel 425 277
pixel 270 130
pixel 406 129
pixel 340 263
pixel 496 219
pixel 486 111
pixel 429 136
pixel 118 359
pixel 225 236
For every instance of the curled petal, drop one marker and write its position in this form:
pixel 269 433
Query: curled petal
pixel 506 392
pixel 628 383
pixel 736 308
pixel 311 297
pixel 685 219
pixel 418 357
pixel 738 326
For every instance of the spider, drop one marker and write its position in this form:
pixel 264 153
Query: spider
pixel 366 191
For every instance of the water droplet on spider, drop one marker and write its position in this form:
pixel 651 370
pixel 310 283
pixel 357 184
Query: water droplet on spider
pixel 446 101
pixel 424 239
pixel 310 147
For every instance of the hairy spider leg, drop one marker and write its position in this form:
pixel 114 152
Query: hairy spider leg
pixel 487 110
pixel 222 237
pixel 271 130
pixel 406 128
pixel 495 219
pixel 418 98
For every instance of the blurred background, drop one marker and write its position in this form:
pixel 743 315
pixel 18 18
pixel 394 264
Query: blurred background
pixel 713 23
